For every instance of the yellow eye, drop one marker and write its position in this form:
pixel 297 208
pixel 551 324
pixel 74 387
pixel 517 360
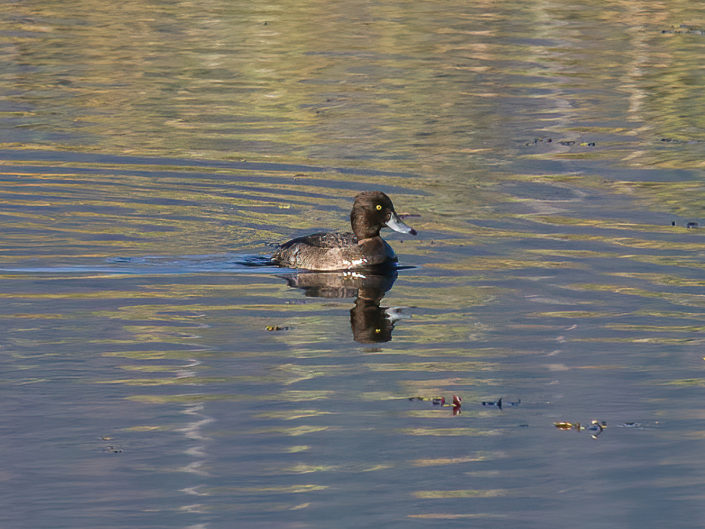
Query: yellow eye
pixel 379 207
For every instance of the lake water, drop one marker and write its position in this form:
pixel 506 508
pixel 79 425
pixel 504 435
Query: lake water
pixel 155 373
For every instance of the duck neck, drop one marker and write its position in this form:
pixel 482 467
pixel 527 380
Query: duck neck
pixel 365 240
pixel 362 226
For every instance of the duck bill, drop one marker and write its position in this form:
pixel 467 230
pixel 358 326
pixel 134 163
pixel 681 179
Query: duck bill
pixel 396 224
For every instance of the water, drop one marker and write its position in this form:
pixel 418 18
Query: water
pixel 157 373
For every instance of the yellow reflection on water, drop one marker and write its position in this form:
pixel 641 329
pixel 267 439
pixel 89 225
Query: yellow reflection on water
pixel 462 493
pixel 290 415
pixel 451 432
pixel 439 461
pixel 655 328
pixel 676 298
pixel 458 516
pixel 433 367
pixel 572 314
pixel 148 428
pixel 293 431
pixel 500 263
pixel 285 489
pixel 309 469
pixel 172 381
pixel 295 449
pixel 664 279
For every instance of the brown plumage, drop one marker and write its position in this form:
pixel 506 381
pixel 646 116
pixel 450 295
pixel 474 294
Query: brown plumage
pixel 364 248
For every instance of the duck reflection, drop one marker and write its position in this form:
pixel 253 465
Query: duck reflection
pixel 370 323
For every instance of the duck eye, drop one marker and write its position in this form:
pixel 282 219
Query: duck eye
pixel 379 207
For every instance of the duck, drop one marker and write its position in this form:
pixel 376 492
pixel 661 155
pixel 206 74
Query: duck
pixel 361 249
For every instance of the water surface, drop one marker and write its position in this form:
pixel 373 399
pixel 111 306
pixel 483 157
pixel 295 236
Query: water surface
pixel 157 374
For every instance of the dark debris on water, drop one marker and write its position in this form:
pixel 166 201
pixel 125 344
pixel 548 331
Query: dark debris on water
pixel 565 143
pixel 680 142
pixel 455 402
pixel 595 427
pixel 690 225
pixel 685 29
pixel 500 403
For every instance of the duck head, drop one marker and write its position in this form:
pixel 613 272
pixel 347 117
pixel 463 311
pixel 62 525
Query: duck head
pixel 372 211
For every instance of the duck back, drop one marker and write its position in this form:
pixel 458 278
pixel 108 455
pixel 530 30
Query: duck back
pixel 333 251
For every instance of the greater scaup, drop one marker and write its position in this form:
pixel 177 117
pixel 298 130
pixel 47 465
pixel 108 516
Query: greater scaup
pixel 364 248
